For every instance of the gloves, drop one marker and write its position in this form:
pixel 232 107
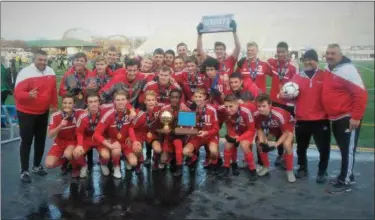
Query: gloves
pixel 266 148
pixel 199 28
pixel 215 92
pixel 233 25
pixel 193 106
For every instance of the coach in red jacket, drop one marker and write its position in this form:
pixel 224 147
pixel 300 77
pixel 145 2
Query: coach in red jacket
pixel 344 100
pixel 35 93
pixel 311 118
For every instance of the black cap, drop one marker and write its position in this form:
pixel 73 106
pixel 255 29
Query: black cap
pixel 311 55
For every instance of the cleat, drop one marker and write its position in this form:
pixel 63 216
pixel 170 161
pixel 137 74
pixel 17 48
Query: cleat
pixel 253 175
pixel 235 171
pixel 83 172
pixel 290 176
pixel 116 172
pixel 105 170
pixel 25 177
pixel 263 171
pixel 39 171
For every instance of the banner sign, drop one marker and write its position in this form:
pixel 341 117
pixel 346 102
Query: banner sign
pixel 217 23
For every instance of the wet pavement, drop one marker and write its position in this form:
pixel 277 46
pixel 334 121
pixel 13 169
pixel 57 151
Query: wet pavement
pixel 194 195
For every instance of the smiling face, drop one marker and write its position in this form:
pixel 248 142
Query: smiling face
pixel 235 83
pixel 79 64
pixel 169 58
pixel 111 57
pixel 150 101
pixel 101 67
pixel 41 62
pixel 93 103
pixel 175 99
pixel 264 108
pixel 182 50
pixel 120 102
pixel 191 67
pixel 333 55
pixel 282 53
pixel 131 72
pixel 159 59
pixel 309 64
pixel 179 64
pixel 220 52
pixel 67 104
pixel 231 107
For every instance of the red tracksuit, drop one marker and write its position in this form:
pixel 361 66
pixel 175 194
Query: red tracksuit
pixel 222 86
pixel 162 91
pixel 254 70
pixel 100 81
pixel 276 70
pixel 146 122
pixel 189 82
pixel 242 125
pixel 276 124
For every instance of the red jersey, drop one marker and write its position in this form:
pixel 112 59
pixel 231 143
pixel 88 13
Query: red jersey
pixel 146 121
pixel 241 124
pixel 162 91
pixel 220 85
pixel 207 120
pixel 67 133
pixel 247 93
pixel 227 66
pixel 254 70
pixel 182 107
pixel 189 82
pixel 113 125
pixel 281 72
pixel 100 81
pixel 276 123
pixel 86 125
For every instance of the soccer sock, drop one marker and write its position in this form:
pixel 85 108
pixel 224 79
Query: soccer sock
pixel 288 158
pixel 234 154
pixel 265 160
pixel 116 160
pixel 178 150
pixel 250 160
pixel 227 157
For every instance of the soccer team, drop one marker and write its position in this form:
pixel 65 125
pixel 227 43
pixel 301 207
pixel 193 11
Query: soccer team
pixel 116 110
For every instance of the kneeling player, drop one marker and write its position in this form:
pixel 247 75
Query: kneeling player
pixel 208 126
pixel 115 124
pixel 62 127
pixel 86 126
pixel 240 132
pixel 278 123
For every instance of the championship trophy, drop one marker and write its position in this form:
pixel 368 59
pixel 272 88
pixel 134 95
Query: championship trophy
pixel 166 118
pixel 186 124
pixel 217 23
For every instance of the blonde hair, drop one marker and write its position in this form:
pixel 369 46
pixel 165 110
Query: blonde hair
pixel 100 58
pixel 251 44
pixel 150 93
pixel 200 91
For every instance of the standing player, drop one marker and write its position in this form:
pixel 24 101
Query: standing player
pixel 100 76
pixel 113 132
pixel 182 50
pixel 169 58
pixel 279 123
pixel 158 59
pixel 111 57
pixel 227 63
pixel 62 128
pixel 208 126
pixel 240 132
pixel 178 65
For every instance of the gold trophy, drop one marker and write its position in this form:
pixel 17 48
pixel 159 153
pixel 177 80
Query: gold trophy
pixel 166 118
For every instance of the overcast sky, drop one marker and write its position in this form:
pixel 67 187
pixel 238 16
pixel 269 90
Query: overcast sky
pixel 49 20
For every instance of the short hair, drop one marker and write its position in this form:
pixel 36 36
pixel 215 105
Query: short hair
pixel 211 62
pixel 132 62
pixel 263 97
pixel 179 57
pixel 218 44
pixel 159 51
pixel 150 93
pixel 282 44
pixel 69 95
pixel 112 49
pixel 92 93
pixel 100 58
pixel 192 59
pixel 165 69
pixel 170 52
pixel 252 44
pixel 80 55
pixel 181 44
pixel 334 45
pixel 201 91
pixel 120 92
pixel 230 98
pixel 41 52
pixel 236 75
pixel 175 91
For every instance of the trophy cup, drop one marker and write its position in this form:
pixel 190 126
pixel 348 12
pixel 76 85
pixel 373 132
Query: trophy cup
pixel 166 118
pixel 186 123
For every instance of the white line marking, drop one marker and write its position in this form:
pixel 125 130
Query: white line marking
pixel 364 68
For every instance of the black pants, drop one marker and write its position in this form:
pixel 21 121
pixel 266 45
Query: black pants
pixel 347 141
pixel 290 109
pixel 4 95
pixel 32 126
pixel 321 132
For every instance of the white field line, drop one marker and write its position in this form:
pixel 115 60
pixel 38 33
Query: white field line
pixel 364 68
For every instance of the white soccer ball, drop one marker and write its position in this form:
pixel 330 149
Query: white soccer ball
pixel 290 90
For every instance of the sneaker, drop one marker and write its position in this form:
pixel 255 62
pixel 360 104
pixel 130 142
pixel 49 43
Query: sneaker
pixel 235 171
pixel 105 170
pixel 290 176
pixel 263 171
pixel 253 175
pixel 39 171
pixel 339 187
pixel 301 172
pixel 25 177
pixel 259 167
pixel 335 180
pixel 321 178
pixel 178 171
pixel 116 172
pixel 83 172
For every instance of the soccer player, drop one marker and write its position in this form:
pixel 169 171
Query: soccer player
pixel 277 122
pixel 111 57
pixel 240 132
pixel 100 76
pixel 344 99
pixel 252 68
pixel 281 71
pixel 62 128
pixel 112 131
pixel 86 126
pixel 162 87
pixel 178 64
pixel 145 125
pixel 182 50
pixel 132 82
pixel 74 79
pixel 244 92
pixel 311 119
pixel 169 58
pixel 158 59
pixel 172 143
pixel 227 63
pixel 208 126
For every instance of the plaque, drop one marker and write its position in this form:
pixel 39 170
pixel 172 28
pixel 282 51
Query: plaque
pixel 217 23
pixel 186 123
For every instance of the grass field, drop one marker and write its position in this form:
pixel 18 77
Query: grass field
pixel 367 131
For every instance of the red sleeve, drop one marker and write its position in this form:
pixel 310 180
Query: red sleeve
pixel 54 102
pixel 250 133
pixel 288 123
pixel 132 133
pixel 140 120
pixel 100 129
pixel 267 68
pixel 63 89
pixel 80 131
pixel 107 90
pixel 215 124
pixel 21 92
pixel 54 121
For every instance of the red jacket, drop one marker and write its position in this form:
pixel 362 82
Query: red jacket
pixel 246 125
pixel 100 81
pixel 277 83
pixel 162 92
pixel 280 121
pixel 308 105
pixel 32 78
pixel 261 70
pixel 142 126
pixel 209 121
pixel 189 82
pixel 344 93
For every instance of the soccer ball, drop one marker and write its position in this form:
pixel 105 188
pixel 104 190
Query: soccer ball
pixel 290 90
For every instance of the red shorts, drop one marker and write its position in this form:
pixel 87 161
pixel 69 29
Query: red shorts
pixel 125 148
pixel 198 142
pixel 57 150
pixel 89 143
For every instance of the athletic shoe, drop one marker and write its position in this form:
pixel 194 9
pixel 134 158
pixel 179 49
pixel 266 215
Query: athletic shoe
pixel 235 171
pixel 335 180
pixel 39 171
pixel 321 178
pixel 301 172
pixel 339 187
pixel 83 172
pixel 105 170
pixel 116 172
pixel 25 177
pixel 290 176
pixel 253 175
pixel 278 161
pixel 259 167
pixel 263 171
